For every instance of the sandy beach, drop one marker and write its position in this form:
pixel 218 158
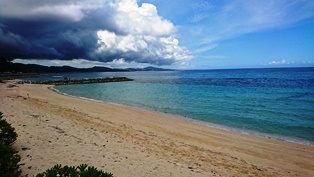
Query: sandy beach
pixel 126 141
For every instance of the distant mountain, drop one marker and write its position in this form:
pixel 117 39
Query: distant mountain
pixel 8 67
pixel 150 68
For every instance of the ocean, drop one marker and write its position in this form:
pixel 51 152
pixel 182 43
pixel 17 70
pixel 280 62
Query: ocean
pixel 275 103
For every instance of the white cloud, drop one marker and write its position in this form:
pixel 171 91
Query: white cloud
pixel 198 17
pixel 290 63
pixel 200 11
pixel 308 62
pixel 201 6
pixel 121 63
pixel 147 48
pixel 112 43
pixel 277 62
pixel 146 37
pixel 143 20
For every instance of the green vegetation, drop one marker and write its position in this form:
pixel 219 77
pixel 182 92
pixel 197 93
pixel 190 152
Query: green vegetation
pixel 7 133
pixel 9 159
pixel 71 171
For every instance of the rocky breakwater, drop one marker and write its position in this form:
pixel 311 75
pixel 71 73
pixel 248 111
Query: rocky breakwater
pixel 84 81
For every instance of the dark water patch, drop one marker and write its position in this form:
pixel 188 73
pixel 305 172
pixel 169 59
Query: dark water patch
pixel 297 96
pixel 237 82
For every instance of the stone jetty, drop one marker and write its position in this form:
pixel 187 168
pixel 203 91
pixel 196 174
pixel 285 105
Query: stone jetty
pixel 67 81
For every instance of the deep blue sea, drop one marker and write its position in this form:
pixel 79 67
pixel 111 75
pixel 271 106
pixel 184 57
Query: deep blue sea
pixel 275 103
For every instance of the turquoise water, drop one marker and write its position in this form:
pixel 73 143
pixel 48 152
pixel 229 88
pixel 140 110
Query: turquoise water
pixel 276 103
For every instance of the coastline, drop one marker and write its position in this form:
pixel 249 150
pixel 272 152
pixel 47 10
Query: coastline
pixel 204 123
pixel 129 141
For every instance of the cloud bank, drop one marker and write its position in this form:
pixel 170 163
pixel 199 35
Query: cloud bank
pixel 104 30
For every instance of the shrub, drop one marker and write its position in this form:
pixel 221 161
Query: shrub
pixel 7 133
pixel 71 171
pixel 9 159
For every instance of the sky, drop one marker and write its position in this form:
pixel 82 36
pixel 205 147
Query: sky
pixel 178 34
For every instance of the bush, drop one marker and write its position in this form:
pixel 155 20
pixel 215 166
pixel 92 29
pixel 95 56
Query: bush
pixel 7 133
pixel 71 171
pixel 9 159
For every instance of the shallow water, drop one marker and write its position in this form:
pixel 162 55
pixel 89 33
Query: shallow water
pixel 277 103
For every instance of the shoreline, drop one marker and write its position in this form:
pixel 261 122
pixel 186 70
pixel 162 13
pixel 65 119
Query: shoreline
pixel 204 123
pixel 126 141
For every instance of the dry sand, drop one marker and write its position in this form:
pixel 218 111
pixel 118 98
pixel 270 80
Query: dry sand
pixel 54 128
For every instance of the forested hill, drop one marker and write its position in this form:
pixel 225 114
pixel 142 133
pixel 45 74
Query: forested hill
pixel 9 67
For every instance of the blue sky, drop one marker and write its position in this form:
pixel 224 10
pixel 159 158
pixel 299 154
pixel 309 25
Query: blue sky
pixel 248 34
pixel 180 34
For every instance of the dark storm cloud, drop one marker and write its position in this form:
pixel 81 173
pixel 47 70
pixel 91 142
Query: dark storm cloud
pixel 50 36
pixel 66 30
pixel 13 45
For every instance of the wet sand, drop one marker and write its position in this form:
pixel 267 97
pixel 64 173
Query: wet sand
pixel 126 141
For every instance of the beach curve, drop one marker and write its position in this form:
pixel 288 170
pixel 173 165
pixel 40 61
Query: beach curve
pixel 55 128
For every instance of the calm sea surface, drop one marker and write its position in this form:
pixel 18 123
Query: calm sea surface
pixel 275 103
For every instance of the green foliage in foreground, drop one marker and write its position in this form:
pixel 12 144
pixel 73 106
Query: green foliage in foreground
pixel 9 159
pixel 71 171
pixel 7 133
